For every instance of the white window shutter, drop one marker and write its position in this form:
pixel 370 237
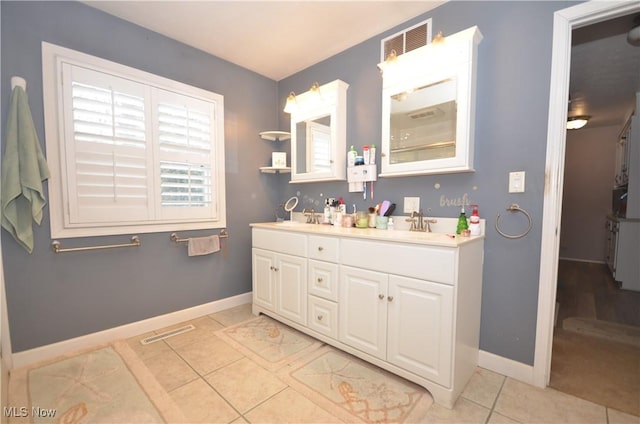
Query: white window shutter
pixel 107 160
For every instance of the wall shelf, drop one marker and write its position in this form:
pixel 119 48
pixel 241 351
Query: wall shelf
pixel 272 170
pixel 275 135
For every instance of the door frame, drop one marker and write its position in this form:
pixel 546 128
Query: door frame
pixel 564 22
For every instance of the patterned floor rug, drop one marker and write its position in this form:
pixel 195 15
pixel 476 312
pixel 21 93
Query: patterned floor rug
pixel 268 342
pixel 357 391
pixel 105 385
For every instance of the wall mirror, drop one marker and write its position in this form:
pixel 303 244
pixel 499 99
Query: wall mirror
pixel 318 134
pixel 428 108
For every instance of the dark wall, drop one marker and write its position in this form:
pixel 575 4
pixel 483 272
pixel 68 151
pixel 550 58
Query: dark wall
pixel 56 297
pixel 512 104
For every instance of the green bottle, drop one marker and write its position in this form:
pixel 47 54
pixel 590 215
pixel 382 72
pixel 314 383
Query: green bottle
pixel 462 222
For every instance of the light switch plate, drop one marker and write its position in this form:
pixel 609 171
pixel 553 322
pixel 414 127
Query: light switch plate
pixel 516 182
pixel 411 204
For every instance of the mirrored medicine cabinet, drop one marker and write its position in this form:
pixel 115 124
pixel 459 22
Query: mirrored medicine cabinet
pixel 428 107
pixel 318 134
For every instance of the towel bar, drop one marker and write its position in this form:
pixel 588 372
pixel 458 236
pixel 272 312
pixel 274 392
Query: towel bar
pixel 174 236
pixel 55 246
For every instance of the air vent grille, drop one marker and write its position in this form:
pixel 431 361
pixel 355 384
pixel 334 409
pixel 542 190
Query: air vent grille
pixel 167 334
pixel 409 39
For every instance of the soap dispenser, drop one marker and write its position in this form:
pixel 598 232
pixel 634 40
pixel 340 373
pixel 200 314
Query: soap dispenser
pixel 474 221
pixel 462 222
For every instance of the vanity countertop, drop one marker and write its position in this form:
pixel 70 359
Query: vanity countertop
pixel 403 236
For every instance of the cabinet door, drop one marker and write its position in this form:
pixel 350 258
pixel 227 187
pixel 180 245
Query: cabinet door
pixel 291 287
pixel 420 328
pixel 363 310
pixel 264 290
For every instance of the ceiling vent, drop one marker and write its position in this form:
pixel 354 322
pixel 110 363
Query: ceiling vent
pixel 409 39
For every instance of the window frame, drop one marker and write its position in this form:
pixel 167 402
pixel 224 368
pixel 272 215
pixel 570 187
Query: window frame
pixel 53 57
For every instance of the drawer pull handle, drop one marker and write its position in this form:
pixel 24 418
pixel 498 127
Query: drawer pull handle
pixel 320 248
pixel 390 298
pixel 319 317
pixel 380 296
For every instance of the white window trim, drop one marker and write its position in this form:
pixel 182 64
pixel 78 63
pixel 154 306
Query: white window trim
pixel 52 57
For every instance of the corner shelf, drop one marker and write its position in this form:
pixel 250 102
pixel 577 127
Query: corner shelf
pixel 272 170
pixel 275 135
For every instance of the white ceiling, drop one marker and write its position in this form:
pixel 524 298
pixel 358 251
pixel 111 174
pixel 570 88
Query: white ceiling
pixel 279 38
pixel 273 38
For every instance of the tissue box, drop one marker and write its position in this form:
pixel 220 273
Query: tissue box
pixel 279 159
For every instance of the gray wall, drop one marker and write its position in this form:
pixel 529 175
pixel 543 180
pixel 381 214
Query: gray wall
pixel 514 67
pixel 589 171
pixel 56 297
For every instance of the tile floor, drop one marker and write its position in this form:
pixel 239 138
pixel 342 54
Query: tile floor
pixel 213 383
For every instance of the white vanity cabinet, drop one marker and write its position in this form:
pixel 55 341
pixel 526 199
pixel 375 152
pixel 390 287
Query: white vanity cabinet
pixel 406 302
pixel 280 274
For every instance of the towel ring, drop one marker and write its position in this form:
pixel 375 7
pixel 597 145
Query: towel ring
pixel 514 208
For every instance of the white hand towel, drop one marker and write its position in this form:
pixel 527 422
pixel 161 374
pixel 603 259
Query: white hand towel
pixel 204 245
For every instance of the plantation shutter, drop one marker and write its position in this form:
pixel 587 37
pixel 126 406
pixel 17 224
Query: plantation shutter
pixel 107 161
pixel 185 129
pixel 320 146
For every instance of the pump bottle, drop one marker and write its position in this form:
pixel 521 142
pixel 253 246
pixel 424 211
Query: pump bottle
pixel 474 221
pixel 462 222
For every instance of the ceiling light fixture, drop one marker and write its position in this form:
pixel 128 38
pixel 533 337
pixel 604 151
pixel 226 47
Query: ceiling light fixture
pixel 633 36
pixel 577 122
pixel 292 104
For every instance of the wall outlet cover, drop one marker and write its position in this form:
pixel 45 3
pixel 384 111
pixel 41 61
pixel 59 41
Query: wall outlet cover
pixel 516 182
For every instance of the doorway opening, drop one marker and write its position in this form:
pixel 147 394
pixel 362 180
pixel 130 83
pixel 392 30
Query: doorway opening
pixel 565 21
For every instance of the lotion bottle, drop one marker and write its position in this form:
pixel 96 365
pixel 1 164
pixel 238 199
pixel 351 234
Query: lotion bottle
pixel 474 221
pixel 351 157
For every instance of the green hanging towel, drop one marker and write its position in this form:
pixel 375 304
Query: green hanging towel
pixel 24 168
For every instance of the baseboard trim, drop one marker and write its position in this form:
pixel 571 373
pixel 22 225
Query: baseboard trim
pixel 42 353
pixel 505 366
pixel 589 261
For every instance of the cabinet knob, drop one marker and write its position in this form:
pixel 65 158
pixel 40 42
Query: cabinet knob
pixel 380 296
pixel 320 248
pixel 319 279
pixel 275 269
pixel 390 298
pixel 271 268
pixel 319 317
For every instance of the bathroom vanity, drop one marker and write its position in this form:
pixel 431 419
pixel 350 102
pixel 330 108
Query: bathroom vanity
pixel 408 302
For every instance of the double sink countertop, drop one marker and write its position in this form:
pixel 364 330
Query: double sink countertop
pixel 403 236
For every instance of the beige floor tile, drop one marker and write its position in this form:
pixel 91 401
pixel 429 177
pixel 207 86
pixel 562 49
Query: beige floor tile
pixel 618 417
pixel 147 351
pixel 244 384
pixel 234 316
pixel 289 406
pixel 464 411
pixel 201 404
pixel 205 328
pixel 484 386
pixel 170 370
pixel 526 403
pixel 209 354
pixel 496 418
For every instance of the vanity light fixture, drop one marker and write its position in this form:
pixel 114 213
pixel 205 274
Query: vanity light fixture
pixel 315 89
pixel 292 103
pixel 633 36
pixel 439 38
pixel 577 122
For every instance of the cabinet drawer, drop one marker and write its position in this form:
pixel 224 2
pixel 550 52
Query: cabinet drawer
pixel 323 316
pixel 323 279
pixel 423 262
pixel 280 241
pixel 323 248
